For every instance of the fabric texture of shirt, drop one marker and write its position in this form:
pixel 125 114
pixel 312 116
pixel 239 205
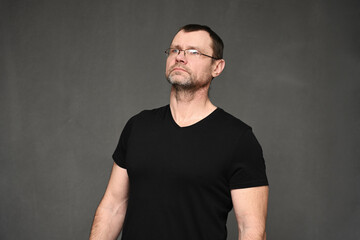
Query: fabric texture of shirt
pixel 181 177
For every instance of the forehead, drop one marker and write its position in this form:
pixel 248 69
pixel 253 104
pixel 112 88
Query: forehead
pixel 198 39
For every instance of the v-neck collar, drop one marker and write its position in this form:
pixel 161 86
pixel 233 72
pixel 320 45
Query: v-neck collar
pixel 200 122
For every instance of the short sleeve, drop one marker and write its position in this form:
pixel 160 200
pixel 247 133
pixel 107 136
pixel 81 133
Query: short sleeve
pixel 247 167
pixel 119 155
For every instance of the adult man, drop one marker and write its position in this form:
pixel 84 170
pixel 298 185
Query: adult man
pixel 179 169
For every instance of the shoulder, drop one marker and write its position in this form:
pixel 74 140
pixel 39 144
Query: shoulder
pixel 147 115
pixel 150 113
pixel 242 132
pixel 231 123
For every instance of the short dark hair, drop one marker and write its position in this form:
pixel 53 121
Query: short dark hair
pixel 217 46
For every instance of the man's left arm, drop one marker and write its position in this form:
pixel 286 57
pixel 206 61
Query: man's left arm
pixel 250 207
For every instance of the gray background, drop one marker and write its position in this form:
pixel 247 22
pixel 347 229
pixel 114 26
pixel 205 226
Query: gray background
pixel 73 72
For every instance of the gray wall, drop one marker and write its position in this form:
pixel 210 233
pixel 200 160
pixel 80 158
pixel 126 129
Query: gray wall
pixel 73 72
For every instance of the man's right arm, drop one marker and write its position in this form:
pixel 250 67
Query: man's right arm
pixel 110 214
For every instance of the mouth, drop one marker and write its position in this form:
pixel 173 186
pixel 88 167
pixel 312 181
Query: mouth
pixel 178 69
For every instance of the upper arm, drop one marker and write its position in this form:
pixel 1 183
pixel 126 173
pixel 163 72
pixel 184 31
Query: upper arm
pixel 117 190
pixel 250 207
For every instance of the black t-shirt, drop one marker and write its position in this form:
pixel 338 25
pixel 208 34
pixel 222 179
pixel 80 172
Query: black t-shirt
pixel 181 177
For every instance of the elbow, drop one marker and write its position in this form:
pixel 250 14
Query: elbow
pixel 253 232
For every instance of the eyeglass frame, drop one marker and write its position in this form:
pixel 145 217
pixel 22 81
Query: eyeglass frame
pixel 167 51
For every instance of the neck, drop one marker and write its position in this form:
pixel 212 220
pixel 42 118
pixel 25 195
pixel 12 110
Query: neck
pixel 189 107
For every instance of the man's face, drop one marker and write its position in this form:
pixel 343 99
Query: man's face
pixel 189 72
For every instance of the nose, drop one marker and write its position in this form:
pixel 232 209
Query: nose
pixel 181 57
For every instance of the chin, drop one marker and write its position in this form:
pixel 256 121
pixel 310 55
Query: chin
pixel 178 80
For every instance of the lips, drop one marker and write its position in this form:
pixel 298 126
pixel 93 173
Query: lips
pixel 178 69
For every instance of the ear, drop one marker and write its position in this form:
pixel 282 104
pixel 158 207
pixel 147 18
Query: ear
pixel 218 67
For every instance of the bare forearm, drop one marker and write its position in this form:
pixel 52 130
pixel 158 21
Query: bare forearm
pixel 108 222
pixel 252 235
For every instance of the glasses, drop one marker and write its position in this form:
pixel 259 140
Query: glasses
pixel 192 53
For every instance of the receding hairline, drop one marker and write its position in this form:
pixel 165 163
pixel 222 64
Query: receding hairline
pixel 191 45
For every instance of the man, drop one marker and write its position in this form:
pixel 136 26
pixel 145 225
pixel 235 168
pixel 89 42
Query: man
pixel 179 169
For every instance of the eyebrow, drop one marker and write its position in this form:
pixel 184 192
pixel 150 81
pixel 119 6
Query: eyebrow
pixel 189 47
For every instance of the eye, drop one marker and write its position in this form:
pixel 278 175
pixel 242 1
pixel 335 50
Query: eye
pixel 173 51
pixel 193 52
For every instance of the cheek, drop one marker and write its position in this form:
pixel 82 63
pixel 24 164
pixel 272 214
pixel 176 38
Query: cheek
pixel 205 70
pixel 168 65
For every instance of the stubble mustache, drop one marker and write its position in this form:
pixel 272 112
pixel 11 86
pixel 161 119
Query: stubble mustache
pixel 179 66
